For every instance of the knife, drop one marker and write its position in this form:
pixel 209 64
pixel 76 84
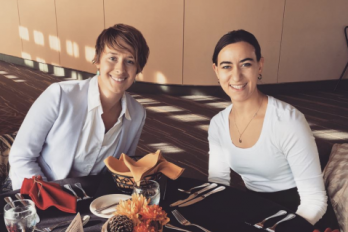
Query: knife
pixel 203 196
pixel 193 195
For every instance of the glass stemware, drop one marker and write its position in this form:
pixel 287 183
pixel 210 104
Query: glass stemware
pixel 149 189
pixel 20 217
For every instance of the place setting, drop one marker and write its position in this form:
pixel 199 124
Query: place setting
pixel 21 214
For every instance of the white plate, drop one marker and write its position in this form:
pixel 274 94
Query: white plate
pixel 105 201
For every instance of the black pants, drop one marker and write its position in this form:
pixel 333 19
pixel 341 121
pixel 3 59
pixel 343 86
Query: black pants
pixel 291 199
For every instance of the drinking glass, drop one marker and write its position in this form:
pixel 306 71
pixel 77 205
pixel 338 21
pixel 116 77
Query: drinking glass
pixel 149 189
pixel 20 218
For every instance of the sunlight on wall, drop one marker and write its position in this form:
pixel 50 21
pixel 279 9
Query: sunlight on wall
pixel 72 48
pixel 38 59
pixel 39 38
pixel 76 75
pixel 189 118
pixel 43 67
pixel 89 53
pixel 166 148
pixel 24 33
pixel 26 55
pixel 54 43
pixel 29 63
pixel 139 77
pixel 58 71
pixel 164 109
pixel 160 78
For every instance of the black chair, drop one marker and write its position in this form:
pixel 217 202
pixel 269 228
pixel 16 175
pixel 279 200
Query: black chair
pixel 345 68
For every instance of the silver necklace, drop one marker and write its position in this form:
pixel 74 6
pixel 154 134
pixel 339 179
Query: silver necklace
pixel 234 119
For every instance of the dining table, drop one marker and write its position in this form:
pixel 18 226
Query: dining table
pixel 229 210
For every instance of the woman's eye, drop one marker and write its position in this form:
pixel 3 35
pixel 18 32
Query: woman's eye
pixel 112 58
pixel 130 62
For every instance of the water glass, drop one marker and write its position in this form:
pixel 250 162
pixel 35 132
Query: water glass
pixel 149 189
pixel 20 218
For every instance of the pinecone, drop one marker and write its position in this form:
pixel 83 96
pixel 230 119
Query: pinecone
pixel 120 223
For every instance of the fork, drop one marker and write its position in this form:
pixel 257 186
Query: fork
pixel 185 222
pixel 261 224
pixel 79 186
pixel 170 226
pixel 51 228
pixel 189 191
pixel 289 217
pixel 68 186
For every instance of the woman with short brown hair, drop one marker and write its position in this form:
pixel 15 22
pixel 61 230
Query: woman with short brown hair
pixel 74 125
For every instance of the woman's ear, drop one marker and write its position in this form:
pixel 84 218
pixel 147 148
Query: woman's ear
pixel 261 62
pixel 215 68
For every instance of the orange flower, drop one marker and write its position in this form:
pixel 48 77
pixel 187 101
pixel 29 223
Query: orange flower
pixel 144 227
pixel 146 218
pixel 132 207
pixel 154 213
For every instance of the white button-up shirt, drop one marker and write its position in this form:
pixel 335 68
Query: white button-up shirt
pixel 94 144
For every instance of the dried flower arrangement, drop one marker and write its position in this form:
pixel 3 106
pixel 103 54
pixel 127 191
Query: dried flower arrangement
pixel 145 217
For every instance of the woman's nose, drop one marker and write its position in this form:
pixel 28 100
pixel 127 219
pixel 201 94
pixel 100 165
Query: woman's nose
pixel 236 74
pixel 120 67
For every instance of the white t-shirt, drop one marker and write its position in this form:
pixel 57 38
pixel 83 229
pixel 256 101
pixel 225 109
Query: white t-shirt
pixel 285 156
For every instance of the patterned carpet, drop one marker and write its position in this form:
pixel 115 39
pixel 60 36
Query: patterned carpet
pixel 178 125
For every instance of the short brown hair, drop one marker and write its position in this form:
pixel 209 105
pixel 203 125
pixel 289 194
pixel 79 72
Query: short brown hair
pixel 131 36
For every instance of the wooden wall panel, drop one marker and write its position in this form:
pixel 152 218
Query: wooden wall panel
pixel 39 19
pixel 10 42
pixel 79 23
pixel 313 44
pixel 206 21
pixel 161 22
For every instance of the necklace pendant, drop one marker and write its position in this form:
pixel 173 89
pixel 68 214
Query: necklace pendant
pixel 240 141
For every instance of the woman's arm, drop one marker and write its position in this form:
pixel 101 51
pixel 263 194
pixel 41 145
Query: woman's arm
pixel 298 144
pixel 31 136
pixel 219 170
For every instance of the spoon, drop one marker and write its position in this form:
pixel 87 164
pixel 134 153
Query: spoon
pixel 9 201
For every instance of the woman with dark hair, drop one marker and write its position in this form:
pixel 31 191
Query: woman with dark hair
pixel 74 125
pixel 267 141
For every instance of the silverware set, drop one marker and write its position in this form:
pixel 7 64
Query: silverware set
pixel 192 198
pixel 79 186
pixel 260 225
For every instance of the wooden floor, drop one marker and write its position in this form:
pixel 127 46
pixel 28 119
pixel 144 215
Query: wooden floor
pixel 177 125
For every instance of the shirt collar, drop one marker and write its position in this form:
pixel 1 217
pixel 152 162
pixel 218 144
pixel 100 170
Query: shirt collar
pixel 94 98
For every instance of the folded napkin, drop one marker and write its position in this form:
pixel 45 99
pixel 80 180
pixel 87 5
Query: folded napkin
pixel 147 165
pixel 46 194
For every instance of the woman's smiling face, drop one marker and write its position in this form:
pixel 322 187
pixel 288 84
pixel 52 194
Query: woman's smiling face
pixel 237 70
pixel 117 68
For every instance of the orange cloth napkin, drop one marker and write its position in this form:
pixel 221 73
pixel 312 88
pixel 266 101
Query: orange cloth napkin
pixel 149 164
pixel 46 194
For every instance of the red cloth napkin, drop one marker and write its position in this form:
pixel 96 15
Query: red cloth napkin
pixel 45 195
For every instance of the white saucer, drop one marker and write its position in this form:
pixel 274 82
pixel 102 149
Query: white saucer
pixel 105 201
